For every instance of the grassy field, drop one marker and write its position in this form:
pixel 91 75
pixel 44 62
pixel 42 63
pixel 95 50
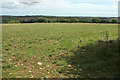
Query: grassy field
pixel 56 50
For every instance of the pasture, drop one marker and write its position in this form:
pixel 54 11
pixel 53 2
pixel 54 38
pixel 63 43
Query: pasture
pixel 59 50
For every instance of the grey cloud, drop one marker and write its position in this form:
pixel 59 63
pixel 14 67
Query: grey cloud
pixel 10 5
pixel 18 3
pixel 29 3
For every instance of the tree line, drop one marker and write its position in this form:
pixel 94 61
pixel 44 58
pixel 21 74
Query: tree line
pixel 63 20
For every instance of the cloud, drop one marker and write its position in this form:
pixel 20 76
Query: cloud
pixel 62 7
pixel 10 5
pixel 30 2
pixel 17 3
pixel 14 3
pixel 96 1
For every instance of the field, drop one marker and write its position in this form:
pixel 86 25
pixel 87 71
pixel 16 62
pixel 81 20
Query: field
pixel 59 50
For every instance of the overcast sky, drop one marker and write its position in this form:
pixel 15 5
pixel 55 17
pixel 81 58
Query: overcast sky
pixel 100 8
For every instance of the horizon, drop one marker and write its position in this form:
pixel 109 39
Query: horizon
pixel 57 16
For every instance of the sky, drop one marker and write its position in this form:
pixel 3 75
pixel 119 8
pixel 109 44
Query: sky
pixel 98 8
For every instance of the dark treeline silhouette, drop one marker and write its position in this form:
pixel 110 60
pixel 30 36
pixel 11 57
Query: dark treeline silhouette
pixel 55 19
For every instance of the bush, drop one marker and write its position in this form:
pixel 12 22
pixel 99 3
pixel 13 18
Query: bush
pixel 32 21
pixel 41 20
pixel 95 20
pixel 74 20
pixel 14 21
pixel 105 21
pixel 62 20
pixel 114 21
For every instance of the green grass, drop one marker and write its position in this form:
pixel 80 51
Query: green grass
pixel 65 50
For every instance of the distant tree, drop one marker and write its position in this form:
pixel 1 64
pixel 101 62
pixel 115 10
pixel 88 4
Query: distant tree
pixel 114 21
pixel 88 21
pixel 46 20
pixel 95 20
pixel 5 21
pixel 41 20
pixel 22 21
pixel 105 21
pixel 32 21
pixel 74 20
pixel 67 20
pixel 85 21
pixel 62 20
pixel 14 21
pixel 53 20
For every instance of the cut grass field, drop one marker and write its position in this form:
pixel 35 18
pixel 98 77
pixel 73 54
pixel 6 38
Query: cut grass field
pixel 56 50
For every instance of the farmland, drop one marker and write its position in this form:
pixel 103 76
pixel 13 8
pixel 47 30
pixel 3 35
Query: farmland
pixel 59 50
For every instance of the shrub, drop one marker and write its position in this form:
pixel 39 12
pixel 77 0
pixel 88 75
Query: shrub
pixel 104 21
pixel 114 21
pixel 14 21
pixel 95 20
